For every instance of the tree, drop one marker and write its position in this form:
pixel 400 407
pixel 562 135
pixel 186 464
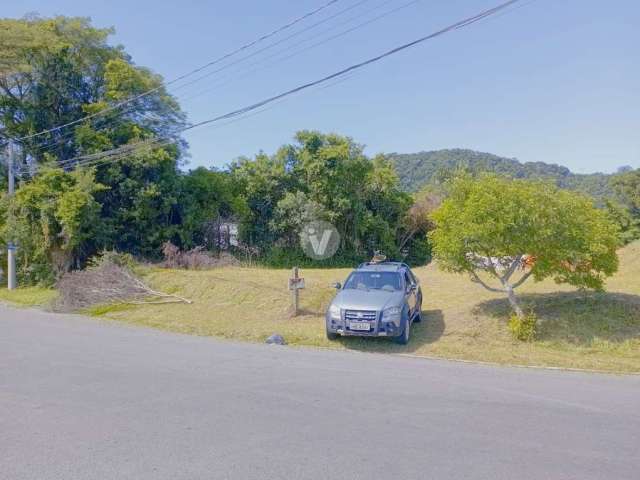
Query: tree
pixel 622 216
pixel 57 74
pixel 627 213
pixel 50 219
pixel 628 186
pixel 333 172
pixel 511 230
pixel 328 177
pixel 63 70
pixel 207 197
pixel 418 218
pixel 17 39
pixel 262 183
pixel 292 213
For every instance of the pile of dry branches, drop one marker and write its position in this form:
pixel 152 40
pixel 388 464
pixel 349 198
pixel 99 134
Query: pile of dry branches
pixel 195 259
pixel 107 283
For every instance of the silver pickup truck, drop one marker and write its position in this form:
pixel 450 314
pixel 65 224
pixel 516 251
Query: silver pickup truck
pixel 378 299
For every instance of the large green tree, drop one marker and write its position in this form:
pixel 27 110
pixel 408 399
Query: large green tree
pixel 208 197
pixel 58 71
pixel 328 177
pixel 51 219
pixel 503 231
pixel 626 211
pixel 628 186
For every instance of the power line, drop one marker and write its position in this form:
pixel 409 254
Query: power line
pixel 455 26
pixel 69 134
pixel 188 74
pixel 258 64
pixel 461 24
pixel 49 145
pixel 273 44
pixel 159 142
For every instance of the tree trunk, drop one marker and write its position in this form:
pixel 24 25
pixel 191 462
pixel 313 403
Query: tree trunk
pixel 513 301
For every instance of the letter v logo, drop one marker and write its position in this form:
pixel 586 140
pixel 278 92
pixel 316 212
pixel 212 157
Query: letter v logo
pixel 320 245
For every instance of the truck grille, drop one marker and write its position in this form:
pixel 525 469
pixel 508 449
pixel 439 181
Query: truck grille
pixel 360 315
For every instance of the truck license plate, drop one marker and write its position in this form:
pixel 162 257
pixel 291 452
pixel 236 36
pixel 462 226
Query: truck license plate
pixel 360 326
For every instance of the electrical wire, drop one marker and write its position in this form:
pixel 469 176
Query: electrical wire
pixel 235 113
pixel 159 143
pixel 258 64
pixel 273 44
pixel 70 134
pixel 186 75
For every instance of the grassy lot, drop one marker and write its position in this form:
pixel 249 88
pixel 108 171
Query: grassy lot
pixel 27 296
pixel 580 330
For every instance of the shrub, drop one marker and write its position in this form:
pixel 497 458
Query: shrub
pixel 523 328
pixel 120 259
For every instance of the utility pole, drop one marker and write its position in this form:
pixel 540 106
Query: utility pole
pixel 11 248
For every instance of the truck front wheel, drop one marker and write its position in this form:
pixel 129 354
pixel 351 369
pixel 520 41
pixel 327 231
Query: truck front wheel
pixel 403 338
pixel 331 336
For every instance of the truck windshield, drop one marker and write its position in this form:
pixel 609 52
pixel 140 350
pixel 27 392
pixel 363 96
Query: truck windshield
pixel 374 280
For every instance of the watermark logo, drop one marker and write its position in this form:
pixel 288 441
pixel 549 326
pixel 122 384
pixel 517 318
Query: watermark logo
pixel 319 240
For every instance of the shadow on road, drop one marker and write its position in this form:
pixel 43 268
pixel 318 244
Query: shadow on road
pixel 578 317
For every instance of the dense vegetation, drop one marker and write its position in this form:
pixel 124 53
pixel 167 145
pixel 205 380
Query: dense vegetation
pixel 419 169
pixel 58 70
pixel 327 177
pixel 428 172
pixel 54 71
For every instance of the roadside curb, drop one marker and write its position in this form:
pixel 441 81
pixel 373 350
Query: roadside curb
pixel 343 350
pixel 517 365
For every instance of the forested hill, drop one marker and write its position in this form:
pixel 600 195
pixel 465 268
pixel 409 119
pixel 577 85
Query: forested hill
pixel 418 169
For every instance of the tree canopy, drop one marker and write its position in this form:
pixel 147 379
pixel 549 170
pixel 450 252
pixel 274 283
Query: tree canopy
pixel 417 170
pixel 52 218
pixel 628 186
pixel 327 177
pixel 59 70
pixel 515 229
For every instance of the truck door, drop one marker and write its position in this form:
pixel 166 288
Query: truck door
pixel 410 293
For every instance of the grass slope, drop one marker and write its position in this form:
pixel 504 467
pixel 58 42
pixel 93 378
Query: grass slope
pixel 28 296
pixel 462 320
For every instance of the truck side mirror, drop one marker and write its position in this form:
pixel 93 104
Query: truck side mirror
pixel 337 285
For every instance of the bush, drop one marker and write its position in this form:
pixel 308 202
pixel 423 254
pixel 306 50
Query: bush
pixel 120 259
pixel 523 329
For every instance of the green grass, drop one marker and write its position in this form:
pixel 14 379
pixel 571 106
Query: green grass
pixel 589 330
pixel 28 296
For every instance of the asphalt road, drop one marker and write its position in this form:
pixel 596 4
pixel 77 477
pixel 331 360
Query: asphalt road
pixel 84 399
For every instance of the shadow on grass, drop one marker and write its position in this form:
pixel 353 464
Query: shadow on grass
pixel 577 317
pixel 429 330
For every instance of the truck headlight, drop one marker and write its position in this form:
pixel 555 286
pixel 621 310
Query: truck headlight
pixel 392 314
pixel 334 312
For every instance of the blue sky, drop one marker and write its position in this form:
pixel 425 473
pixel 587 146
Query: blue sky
pixel 555 81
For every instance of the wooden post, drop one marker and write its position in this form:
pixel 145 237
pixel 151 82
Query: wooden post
pixel 11 248
pixel 294 292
